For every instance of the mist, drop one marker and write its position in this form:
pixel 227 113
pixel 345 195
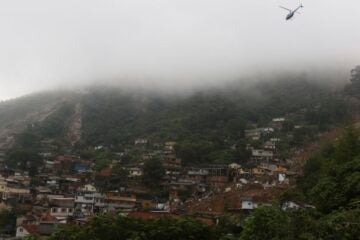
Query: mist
pixel 172 45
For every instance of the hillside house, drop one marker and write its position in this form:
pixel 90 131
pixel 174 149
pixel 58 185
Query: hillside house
pixel 135 172
pixel 89 203
pixel 116 200
pixel 62 207
pixel 141 141
pixel 269 145
pixel 247 203
pixel 259 155
pixel 278 123
pixel 10 189
pixel 257 133
pixel 26 230
pixel 170 146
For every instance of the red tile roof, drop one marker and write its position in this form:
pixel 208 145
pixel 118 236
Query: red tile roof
pixel 32 229
pixel 149 215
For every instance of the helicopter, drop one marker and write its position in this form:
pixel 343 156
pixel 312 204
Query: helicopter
pixel 291 12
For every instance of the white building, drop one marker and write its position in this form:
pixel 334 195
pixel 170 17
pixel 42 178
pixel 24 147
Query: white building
pixel 248 204
pixel 25 230
pixel 86 203
pixel 260 154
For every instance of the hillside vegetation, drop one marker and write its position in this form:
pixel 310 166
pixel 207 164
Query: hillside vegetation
pixel 206 124
pixel 19 108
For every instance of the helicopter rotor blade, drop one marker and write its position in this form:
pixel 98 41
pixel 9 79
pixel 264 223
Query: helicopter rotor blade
pixel 285 8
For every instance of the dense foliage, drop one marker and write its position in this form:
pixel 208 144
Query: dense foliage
pixel 206 124
pixel 7 222
pixel 353 89
pixel 19 108
pixel 332 180
pixel 117 228
pixel 25 152
pixel 153 172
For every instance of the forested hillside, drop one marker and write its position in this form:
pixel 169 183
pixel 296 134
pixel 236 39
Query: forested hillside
pixel 206 123
pixel 16 109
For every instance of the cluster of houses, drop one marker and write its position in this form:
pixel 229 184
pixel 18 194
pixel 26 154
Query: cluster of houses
pixel 66 192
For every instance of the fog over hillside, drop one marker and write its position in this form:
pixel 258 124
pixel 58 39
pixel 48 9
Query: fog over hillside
pixel 171 45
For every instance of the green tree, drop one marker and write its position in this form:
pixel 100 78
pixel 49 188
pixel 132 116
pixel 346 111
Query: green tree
pixel 26 160
pixel 353 88
pixel 153 172
pixel 112 227
pixel 102 159
pixel 7 222
pixel 342 224
pixel 266 223
pixel 348 146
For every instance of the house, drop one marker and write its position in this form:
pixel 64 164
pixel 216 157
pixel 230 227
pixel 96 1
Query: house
pixel 62 207
pixel 262 155
pixel 281 177
pixel 294 205
pixel 197 174
pixel 88 188
pixel 260 171
pixel 88 201
pixel 170 162
pixel 170 146
pixel 269 145
pixel 26 230
pixel 116 200
pixel 280 119
pixel 253 134
pixel 257 133
pixel 218 175
pixel 290 205
pixel 274 168
pixel 48 224
pixel 247 203
pixel 49 164
pixel 28 219
pixel 278 123
pixel 14 192
pixel 141 141
pixel 135 172
pixel 234 166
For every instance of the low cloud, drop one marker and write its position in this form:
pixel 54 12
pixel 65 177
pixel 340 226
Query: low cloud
pixel 177 44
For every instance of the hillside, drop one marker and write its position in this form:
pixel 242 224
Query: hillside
pixel 16 115
pixel 203 155
pixel 205 124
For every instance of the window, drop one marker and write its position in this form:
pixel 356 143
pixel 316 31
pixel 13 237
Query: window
pixel 21 229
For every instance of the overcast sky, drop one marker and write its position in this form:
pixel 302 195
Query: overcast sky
pixel 169 43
